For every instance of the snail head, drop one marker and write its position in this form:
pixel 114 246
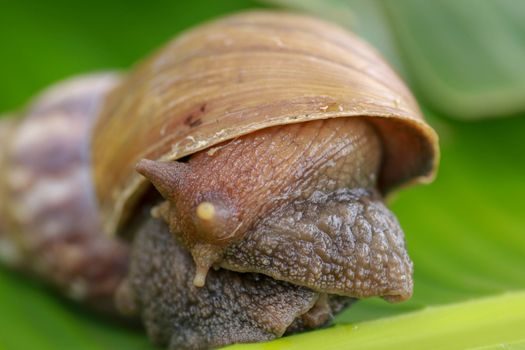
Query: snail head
pixel 203 217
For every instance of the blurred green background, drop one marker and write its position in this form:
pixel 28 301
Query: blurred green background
pixel 465 61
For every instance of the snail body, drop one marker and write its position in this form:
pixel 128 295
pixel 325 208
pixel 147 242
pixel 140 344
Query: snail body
pixel 270 140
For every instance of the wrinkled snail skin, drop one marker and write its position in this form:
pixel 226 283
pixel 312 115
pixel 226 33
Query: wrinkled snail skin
pixel 272 181
pixel 245 179
pixel 312 216
pixel 228 189
pixel 229 308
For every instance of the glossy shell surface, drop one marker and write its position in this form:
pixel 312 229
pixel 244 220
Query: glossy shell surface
pixel 247 72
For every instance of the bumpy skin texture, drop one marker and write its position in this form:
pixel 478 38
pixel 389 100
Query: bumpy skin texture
pixel 285 193
pixel 344 242
pixel 247 178
pixel 310 232
pixel 310 216
pixel 231 307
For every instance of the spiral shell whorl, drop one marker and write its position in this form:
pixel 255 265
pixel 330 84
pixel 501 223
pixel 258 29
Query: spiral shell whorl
pixel 50 216
pixel 247 72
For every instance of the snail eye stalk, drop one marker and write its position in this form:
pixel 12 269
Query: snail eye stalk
pixel 165 176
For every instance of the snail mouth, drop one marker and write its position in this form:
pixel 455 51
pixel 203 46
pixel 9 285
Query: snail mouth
pixel 346 243
pixel 320 313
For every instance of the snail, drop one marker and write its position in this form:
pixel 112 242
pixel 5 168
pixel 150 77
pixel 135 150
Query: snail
pixel 230 188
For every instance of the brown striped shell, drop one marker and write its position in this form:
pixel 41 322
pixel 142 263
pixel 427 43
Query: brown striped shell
pixel 243 73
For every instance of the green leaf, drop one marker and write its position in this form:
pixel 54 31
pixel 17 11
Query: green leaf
pixel 465 232
pixel 34 317
pixel 465 57
pixel 45 41
pixel 466 236
pixel 364 17
pixel 497 321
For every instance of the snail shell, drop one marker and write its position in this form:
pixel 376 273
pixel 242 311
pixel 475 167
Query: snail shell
pixel 244 73
pixel 49 220
pixel 245 78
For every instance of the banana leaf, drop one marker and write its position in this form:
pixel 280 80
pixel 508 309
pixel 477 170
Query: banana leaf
pixel 465 232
